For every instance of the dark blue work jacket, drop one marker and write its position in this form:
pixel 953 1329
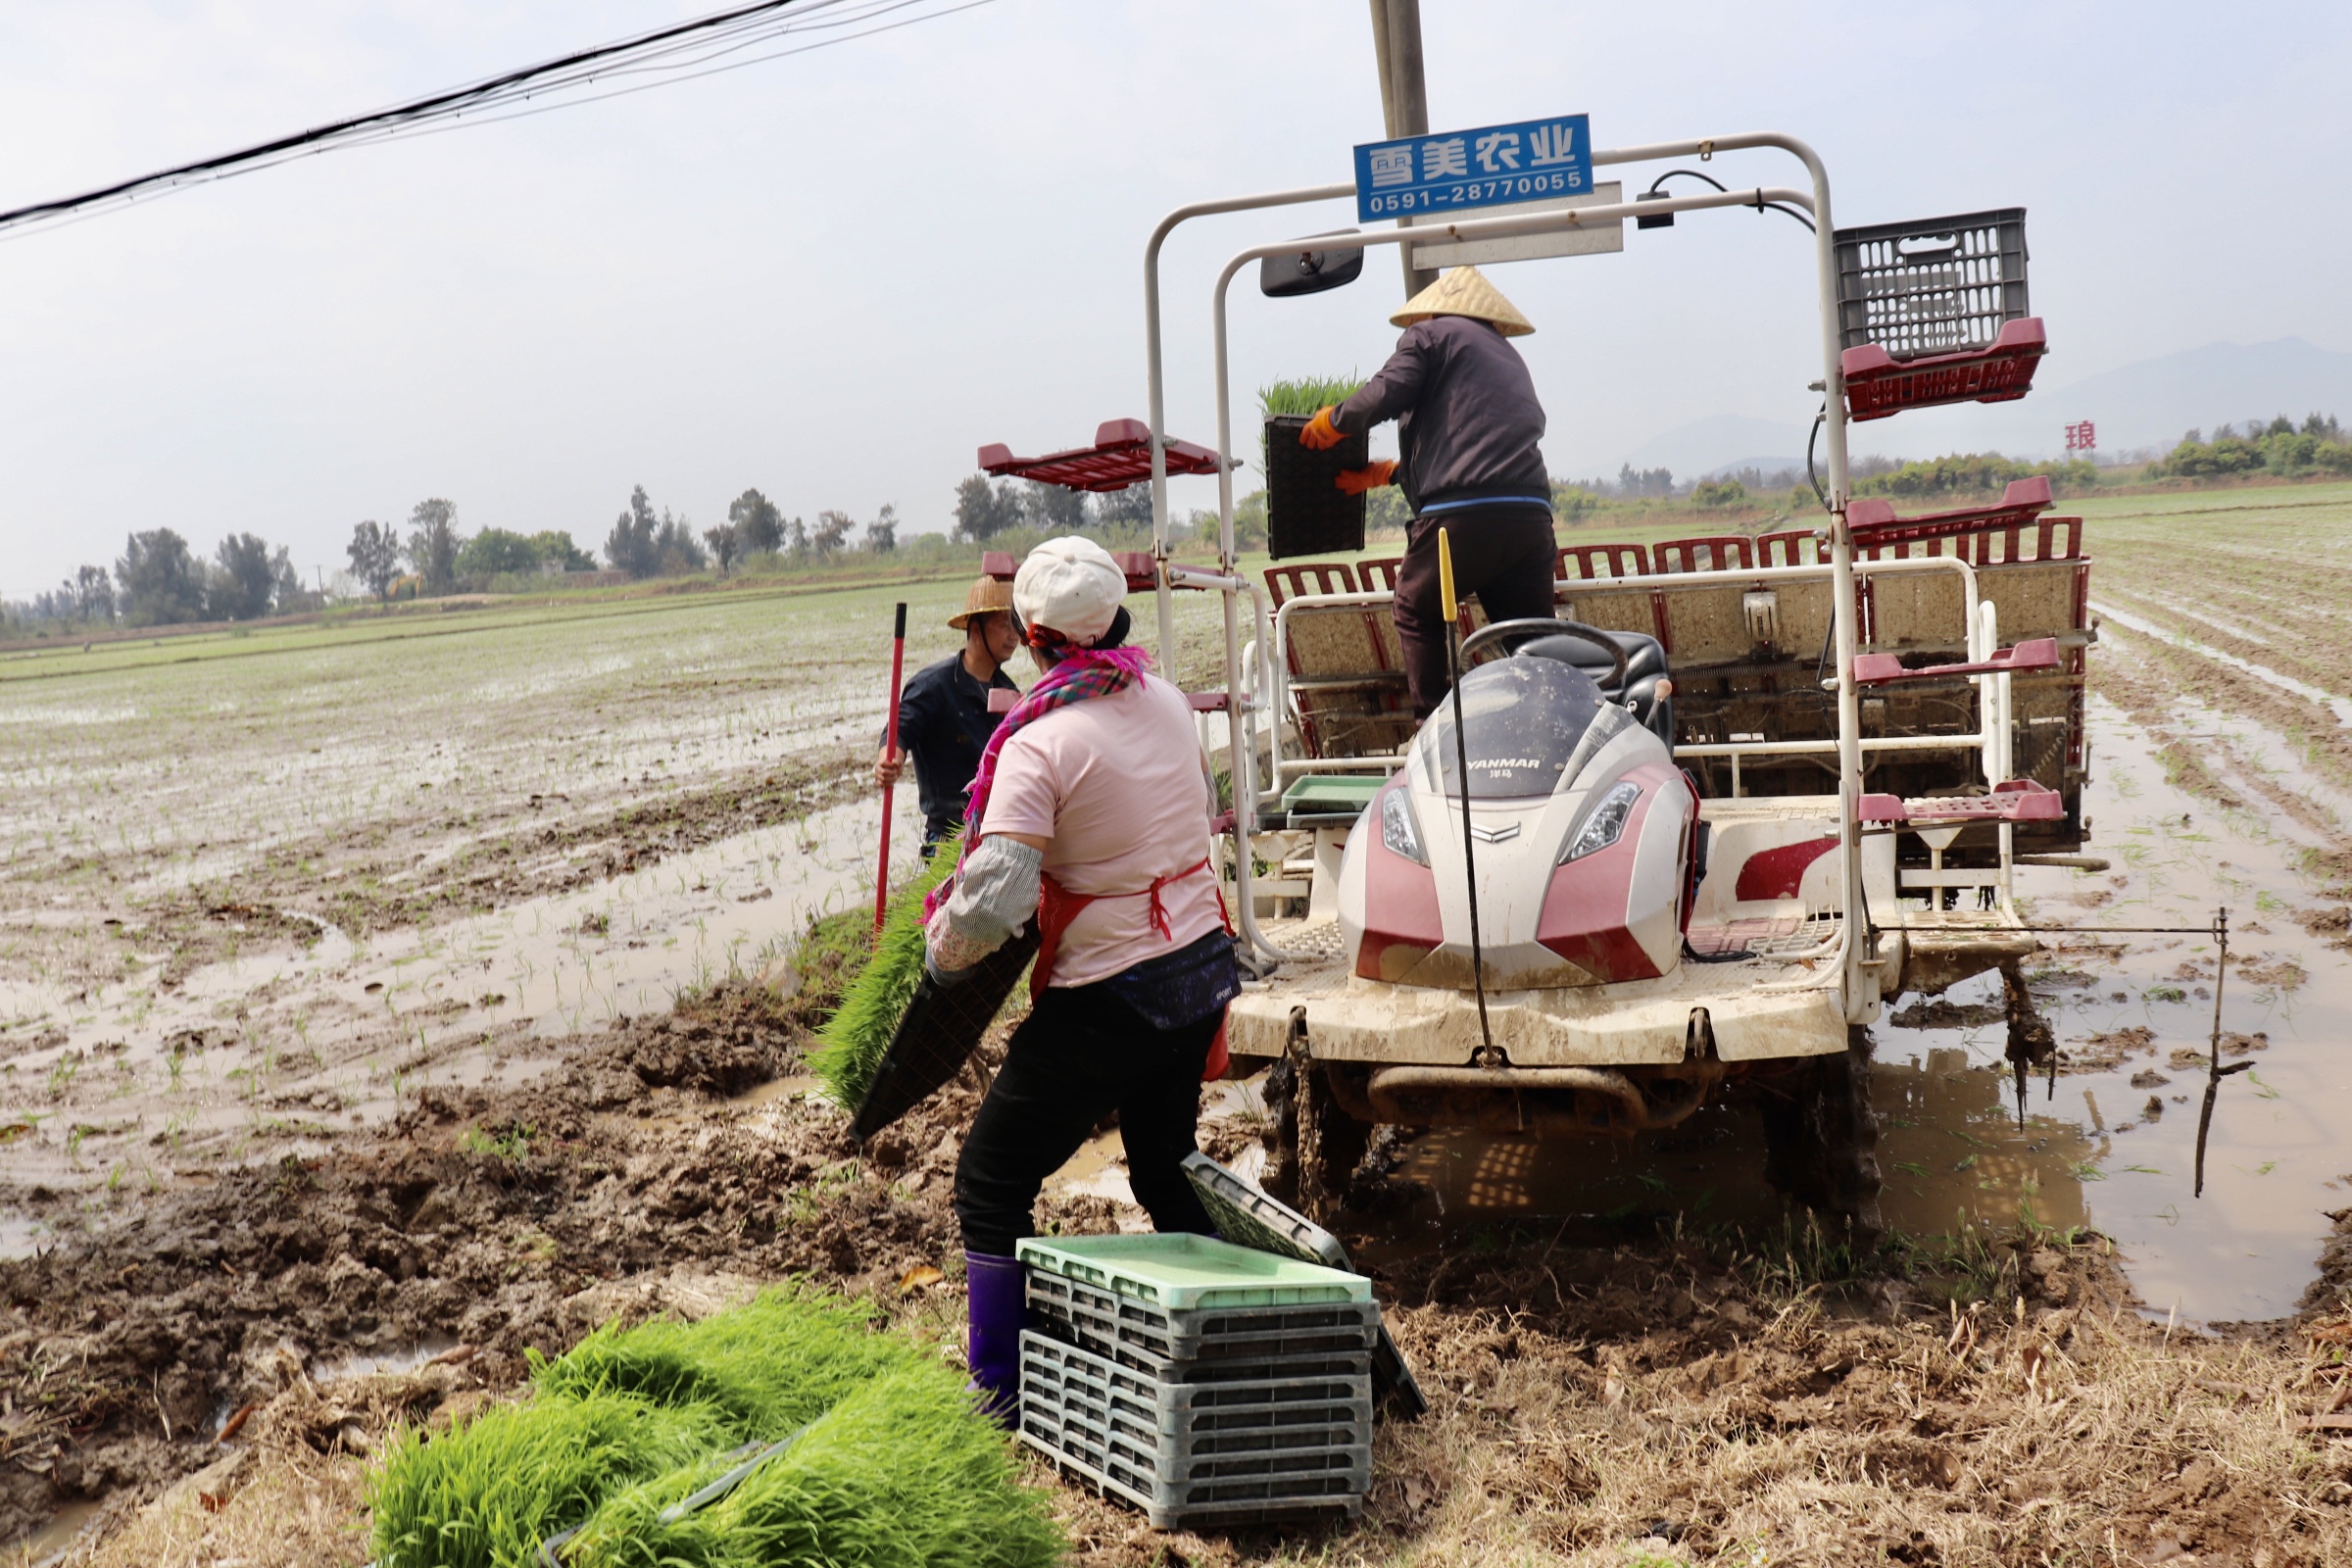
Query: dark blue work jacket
pixel 944 724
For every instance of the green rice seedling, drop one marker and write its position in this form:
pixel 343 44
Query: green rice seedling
pixel 850 1045
pixel 1307 395
pixel 903 1472
pixel 767 1367
pixel 485 1496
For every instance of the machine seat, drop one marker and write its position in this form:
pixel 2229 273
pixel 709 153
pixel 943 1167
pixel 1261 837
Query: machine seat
pixel 1645 670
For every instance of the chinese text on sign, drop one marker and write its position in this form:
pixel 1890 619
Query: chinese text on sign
pixel 1489 166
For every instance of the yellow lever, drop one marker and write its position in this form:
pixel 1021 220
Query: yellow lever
pixel 1445 576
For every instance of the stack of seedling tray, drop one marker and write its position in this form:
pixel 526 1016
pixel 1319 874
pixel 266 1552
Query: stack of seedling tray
pixel 1209 1385
pixel 1245 1213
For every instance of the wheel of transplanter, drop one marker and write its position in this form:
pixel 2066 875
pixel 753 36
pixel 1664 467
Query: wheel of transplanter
pixel 1820 1141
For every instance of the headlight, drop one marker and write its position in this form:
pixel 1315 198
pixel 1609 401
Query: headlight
pixel 1603 823
pixel 1397 829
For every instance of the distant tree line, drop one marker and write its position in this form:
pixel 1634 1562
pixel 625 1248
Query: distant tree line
pixel 985 509
pixel 159 581
pixel 433 557
pixel 2277 446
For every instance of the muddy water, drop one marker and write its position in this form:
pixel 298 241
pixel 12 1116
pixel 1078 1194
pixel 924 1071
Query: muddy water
pixel 2114 1148
pixel 275 1052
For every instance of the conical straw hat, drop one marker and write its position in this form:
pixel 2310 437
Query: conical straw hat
pixel 987 597
pixel 1464 291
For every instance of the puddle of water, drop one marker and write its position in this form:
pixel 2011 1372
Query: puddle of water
pixel 294 1045
pixel 54 1541
pixel 776 1089
pixel 381 1363
pixel 22 1238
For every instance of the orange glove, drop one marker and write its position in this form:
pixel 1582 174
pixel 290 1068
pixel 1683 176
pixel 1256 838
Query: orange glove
pixel 1320 435
pixel 1355 482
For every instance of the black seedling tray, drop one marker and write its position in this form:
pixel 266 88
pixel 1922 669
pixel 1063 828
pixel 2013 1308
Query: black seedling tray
pixel 1307 514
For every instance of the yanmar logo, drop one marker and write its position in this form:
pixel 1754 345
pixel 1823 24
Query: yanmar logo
pixel 1505 763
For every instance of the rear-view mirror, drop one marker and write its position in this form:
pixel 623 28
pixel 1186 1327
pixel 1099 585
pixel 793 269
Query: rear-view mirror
pixel 1308 269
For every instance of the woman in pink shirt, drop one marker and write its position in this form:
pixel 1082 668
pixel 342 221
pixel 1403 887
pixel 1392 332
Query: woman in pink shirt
pixel 1095 822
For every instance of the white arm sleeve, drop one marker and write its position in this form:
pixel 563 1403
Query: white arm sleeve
pixel 996 895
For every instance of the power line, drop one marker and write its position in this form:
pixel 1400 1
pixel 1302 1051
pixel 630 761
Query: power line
pixel 683 52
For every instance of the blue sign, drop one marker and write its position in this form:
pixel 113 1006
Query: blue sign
pixel 1489 166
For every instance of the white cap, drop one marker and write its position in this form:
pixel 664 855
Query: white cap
pixel 1072 586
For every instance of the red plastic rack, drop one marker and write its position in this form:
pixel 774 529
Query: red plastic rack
pixel 1004 565
pixel 1121 455
pixel 1878 384
pixel 1874 524
pixel 2020 799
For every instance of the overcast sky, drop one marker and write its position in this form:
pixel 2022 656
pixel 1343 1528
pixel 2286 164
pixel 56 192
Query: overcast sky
pixel 834 276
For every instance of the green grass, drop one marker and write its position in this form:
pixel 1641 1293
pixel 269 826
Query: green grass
pixel 851 1044
pixel 890 1464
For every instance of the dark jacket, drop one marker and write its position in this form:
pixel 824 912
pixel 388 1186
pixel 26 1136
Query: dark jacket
pixel 944 724
pixel 1467 419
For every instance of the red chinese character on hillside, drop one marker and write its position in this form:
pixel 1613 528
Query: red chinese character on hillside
pixel 2083 437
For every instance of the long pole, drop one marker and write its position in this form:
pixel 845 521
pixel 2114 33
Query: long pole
pixel 1461 770
pixel 1404 97
pixel 890 748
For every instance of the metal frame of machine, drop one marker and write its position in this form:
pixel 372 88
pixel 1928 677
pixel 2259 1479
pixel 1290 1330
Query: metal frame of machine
pixel 1696 1023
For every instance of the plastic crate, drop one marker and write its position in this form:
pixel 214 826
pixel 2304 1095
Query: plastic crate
pixel 1180 1271
pixel 1252 1218
pixel 1088 1315
pixel 1181 1420
pixel 1244 1214
pixel 1934 285
pixel 1306 512
pixel 1188 1465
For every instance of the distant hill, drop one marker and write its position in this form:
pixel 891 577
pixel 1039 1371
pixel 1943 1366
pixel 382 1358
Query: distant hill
pixel 1763 465
pixel 2155 402
pixel 2150 404
pixel 1707 445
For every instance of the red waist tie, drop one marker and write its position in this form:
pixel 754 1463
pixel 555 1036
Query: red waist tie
pixel 1057 906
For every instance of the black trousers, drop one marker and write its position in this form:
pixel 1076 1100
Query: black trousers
pixel 1505 553
pixel 1082 1052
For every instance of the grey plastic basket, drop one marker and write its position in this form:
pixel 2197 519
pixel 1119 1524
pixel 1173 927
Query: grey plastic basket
pixel 1175 1421
pixel 1934 285
pixel 1272 1449
pixel 1106 1321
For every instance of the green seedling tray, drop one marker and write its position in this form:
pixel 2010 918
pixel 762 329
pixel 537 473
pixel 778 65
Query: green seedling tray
pixel 1182 1271
pixel 1325 793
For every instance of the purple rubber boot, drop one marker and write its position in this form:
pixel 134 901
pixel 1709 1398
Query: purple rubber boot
pixel 992 1345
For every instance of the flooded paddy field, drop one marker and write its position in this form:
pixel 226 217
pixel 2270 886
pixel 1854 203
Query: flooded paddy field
pixel 375 1004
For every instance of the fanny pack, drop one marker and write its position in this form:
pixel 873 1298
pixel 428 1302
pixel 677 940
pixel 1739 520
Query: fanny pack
pixel 1182 986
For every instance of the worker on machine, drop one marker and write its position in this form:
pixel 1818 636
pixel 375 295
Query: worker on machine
pixel 1090 814
pixel 944 722
pixel 1467 424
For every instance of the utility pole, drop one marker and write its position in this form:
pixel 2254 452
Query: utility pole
pixel 1404 97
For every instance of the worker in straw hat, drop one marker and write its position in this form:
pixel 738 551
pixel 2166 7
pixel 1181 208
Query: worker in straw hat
pixel 944 722
pixel 1090 817
pixel 1467 424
